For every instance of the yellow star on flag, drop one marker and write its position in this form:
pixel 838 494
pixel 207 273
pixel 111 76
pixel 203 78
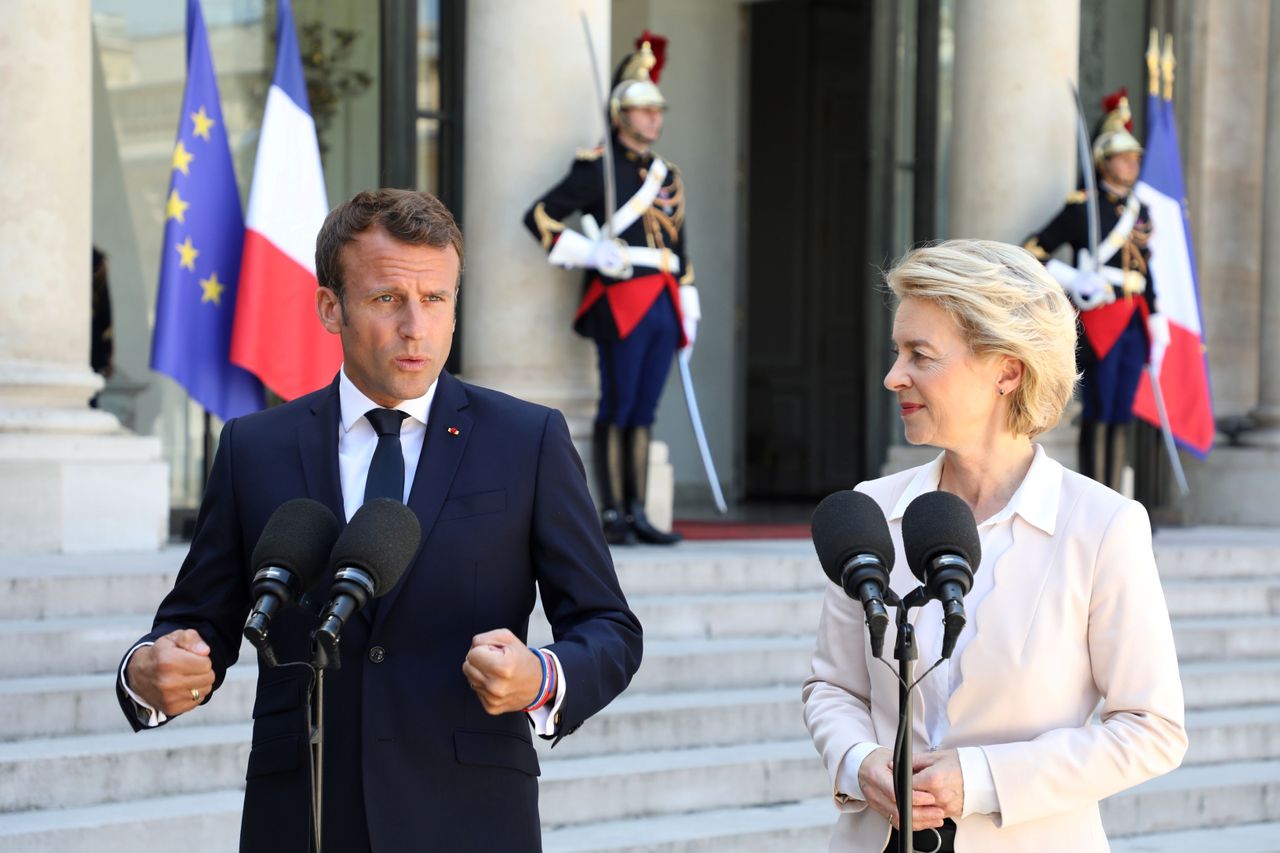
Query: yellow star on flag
pixel 175 207
pixel 212 289
pixel 202 123
pixel 182 158
pixel 189 253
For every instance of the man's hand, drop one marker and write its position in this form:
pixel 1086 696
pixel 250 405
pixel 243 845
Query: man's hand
pixel 875 776
pixel 504 672
pixel 174 675
pixel 938 774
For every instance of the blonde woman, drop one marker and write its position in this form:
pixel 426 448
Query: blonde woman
pixel 1066 613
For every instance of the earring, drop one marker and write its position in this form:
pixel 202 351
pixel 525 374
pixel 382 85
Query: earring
pixel 999 390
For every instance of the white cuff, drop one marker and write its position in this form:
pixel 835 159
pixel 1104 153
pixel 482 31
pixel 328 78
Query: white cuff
pixel 847 784
pixel 979 787
pixel 544 719
pixel 147 715
pixel 571 250
pixel 690 305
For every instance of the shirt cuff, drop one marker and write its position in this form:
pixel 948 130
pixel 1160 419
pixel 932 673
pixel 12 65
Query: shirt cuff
pixel 979 786
pixel 847 786
pixel 146 715
pixel 545 718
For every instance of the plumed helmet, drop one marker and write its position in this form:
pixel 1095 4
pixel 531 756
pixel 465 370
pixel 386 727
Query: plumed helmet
pixel 635 83
pixel 1115 131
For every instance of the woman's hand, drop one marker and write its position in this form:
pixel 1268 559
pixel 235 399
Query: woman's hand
pixel 938 775
pixel 876 778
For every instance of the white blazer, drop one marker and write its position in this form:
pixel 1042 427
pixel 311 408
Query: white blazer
pixel 1076 618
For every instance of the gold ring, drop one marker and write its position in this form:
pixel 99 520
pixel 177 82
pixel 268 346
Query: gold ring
pixel 195 695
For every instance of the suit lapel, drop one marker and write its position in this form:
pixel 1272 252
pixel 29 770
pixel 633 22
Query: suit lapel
pixel 448 431
pixel 318 452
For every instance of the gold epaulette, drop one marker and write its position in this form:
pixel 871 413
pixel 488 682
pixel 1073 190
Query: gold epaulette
pixel 589 154
pixel 1076 197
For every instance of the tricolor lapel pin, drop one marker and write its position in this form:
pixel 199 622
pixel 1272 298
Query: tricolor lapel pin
pixel 454 431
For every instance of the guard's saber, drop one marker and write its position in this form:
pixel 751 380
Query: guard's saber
pixel 610 184
pixel 691 400
pixel 1170 447
pixel 1090 185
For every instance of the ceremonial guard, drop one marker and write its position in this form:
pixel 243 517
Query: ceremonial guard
pixel 639 304
pixel 1114 292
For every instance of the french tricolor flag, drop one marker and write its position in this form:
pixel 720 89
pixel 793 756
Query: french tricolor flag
pixel 277 335
pixel 1184 374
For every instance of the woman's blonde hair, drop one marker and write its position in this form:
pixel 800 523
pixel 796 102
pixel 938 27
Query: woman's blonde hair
pixel 1005 304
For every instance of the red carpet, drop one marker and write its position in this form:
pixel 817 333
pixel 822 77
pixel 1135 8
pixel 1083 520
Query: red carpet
pixel 712 530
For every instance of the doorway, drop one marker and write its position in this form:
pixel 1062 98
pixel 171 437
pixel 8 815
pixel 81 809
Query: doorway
pixel 808 272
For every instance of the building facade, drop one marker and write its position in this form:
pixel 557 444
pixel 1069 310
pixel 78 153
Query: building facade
pixel 818 139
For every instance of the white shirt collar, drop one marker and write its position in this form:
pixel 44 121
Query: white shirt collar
pixel 353 403
pixel 1036 499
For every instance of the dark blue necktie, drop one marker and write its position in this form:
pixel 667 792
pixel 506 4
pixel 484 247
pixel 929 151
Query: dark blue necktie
pixel 386 471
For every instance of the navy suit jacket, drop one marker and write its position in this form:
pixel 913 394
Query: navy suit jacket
pixel 412 760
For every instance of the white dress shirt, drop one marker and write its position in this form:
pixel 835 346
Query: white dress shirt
pixel 1036 501
pixel 357 440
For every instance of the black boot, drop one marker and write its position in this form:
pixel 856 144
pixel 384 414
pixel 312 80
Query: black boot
pixel 606 452
pixel 1117 455
pixel 1091 458
pixel 635 484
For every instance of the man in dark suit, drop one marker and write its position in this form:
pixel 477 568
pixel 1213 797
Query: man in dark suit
pixel 428 719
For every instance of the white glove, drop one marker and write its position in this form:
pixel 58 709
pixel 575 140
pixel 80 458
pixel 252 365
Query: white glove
pixel 1089 290
pixel 1158 332
pixel 691 313
pixel 610 258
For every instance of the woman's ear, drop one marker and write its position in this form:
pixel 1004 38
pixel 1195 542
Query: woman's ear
pixel 1011 370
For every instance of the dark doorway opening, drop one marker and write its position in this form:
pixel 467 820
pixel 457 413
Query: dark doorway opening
pixel 809 276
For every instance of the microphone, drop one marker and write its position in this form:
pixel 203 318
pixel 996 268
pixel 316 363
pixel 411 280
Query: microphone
pixel 367 560
pixel 943 551
pixel 852 539
pixel 289 558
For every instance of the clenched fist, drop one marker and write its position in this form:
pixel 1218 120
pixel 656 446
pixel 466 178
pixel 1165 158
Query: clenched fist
pixel 174 675
pixel 504 672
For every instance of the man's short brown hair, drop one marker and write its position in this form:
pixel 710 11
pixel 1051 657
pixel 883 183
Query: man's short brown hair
pixel 416 218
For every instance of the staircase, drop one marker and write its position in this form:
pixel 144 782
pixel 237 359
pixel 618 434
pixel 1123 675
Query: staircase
pixel 706 751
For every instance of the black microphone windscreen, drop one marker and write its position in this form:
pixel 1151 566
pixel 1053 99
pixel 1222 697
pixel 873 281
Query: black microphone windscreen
pixel 297 537
pixel 937 523
pixel 846 524
pixel 381 538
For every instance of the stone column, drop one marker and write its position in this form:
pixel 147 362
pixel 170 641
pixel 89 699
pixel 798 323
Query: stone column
pixel 73 481
pixel 1014 139
pixel 529 94
pixel 1267 413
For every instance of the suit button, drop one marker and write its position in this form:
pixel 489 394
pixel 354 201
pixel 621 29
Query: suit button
pixel 377 654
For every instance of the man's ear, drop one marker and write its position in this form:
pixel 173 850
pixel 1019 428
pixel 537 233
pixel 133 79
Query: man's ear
pixel 329 309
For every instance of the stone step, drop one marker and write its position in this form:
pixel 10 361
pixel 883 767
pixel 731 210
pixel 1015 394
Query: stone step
pixel 1233 734
pixel 1219 637
pixel 73 645
pixel 192 823
pixel 1198 797
pixel 119 768
pixel 49 586
pixel 69 705
pixel 782 827
pixel 1228 683
pixel 1249 838
pixel 686 720
pixel 618 787
pixel 1223 597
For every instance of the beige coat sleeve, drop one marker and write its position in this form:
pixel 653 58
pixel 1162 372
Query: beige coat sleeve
pixel 1135 669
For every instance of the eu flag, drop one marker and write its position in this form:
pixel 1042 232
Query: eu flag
pixel 203 235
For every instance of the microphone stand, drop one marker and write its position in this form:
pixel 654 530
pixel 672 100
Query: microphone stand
pixel 322 658
pixel 905 653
